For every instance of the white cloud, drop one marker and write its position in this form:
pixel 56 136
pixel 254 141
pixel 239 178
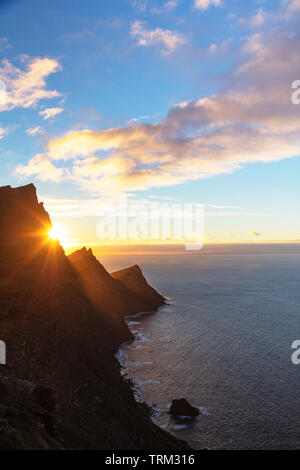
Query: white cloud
pixel 142 118
pixel 259 19
pixel 50 113
pixel 255 234
pixel 25 88
pixel 167 7
pixel 218 206
pixel 205 4
pixel 170 40
pixel 62 207
pixel 41 166
pixel 35 130
pixel 253 120
pixel 3 132
pixel 222 47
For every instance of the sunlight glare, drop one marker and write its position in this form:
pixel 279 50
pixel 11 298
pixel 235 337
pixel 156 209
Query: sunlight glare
pixel 58 233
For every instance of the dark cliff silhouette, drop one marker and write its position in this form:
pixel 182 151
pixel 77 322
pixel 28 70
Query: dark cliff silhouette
pixel 134 280
pixel 111 292
pixel 62 319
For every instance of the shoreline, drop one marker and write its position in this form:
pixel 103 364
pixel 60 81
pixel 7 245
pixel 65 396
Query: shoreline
pixel 133 382
pixel 123 363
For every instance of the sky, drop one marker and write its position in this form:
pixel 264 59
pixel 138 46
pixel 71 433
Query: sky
pixel 159 102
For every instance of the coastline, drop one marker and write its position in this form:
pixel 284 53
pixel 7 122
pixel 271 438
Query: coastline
pixel 121 356
pixel 62 319
pixel 135 388
pixel 137 385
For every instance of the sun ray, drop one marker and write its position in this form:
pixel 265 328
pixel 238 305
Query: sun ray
pixel 58 233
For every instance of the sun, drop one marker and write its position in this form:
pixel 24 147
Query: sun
pixel 58 233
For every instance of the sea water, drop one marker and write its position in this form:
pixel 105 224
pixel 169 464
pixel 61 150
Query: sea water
pixel 223 342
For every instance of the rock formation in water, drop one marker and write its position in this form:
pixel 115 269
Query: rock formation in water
pixel 182 407
pixel 61 387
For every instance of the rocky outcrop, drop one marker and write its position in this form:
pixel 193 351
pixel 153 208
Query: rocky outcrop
pixel 21 215
pixel 134 280
pixel 61 387
pixel 182 407
pixel 110 293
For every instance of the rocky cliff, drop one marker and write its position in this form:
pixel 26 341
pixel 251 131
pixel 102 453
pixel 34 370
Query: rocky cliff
pixel 134 280
pixel 62 321
pixel 123 293
pixel 22 217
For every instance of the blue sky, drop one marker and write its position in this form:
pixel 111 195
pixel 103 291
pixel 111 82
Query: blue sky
pixel 188 100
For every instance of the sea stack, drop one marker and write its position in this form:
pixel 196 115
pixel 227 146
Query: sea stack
pixel 183 408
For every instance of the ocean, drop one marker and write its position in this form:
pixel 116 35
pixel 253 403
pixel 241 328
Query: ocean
pixel 223 342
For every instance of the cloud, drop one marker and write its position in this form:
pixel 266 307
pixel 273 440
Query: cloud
pixel 62 207
pixel 292 5
pixel 95 207
pixel 230 235
pixel 205 4
pixel 222 47
pixel 4 44
pixel 43 168
pixel 218 206
pixel 50 113
pixel 169 40
pixel 35 130
pixel 141 5
pixel 255 234
pixel 25 88
pixel 167 7
pixel 251 120
pixel 3 132
pixel 141 118
pixel 258 19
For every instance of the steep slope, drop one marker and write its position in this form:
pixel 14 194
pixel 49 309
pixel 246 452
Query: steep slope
pixel 61 387
pixel 134 280
pixel 22 217
pixel 110 293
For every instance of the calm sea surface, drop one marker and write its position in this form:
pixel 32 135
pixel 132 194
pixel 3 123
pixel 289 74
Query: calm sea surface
pixel 223 342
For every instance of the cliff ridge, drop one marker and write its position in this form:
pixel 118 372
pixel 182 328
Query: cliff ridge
pixel 62 319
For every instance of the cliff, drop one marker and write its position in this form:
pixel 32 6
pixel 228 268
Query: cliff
pixel 123 295
pixel 61 387
pixel 22 217
pixel 134 280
